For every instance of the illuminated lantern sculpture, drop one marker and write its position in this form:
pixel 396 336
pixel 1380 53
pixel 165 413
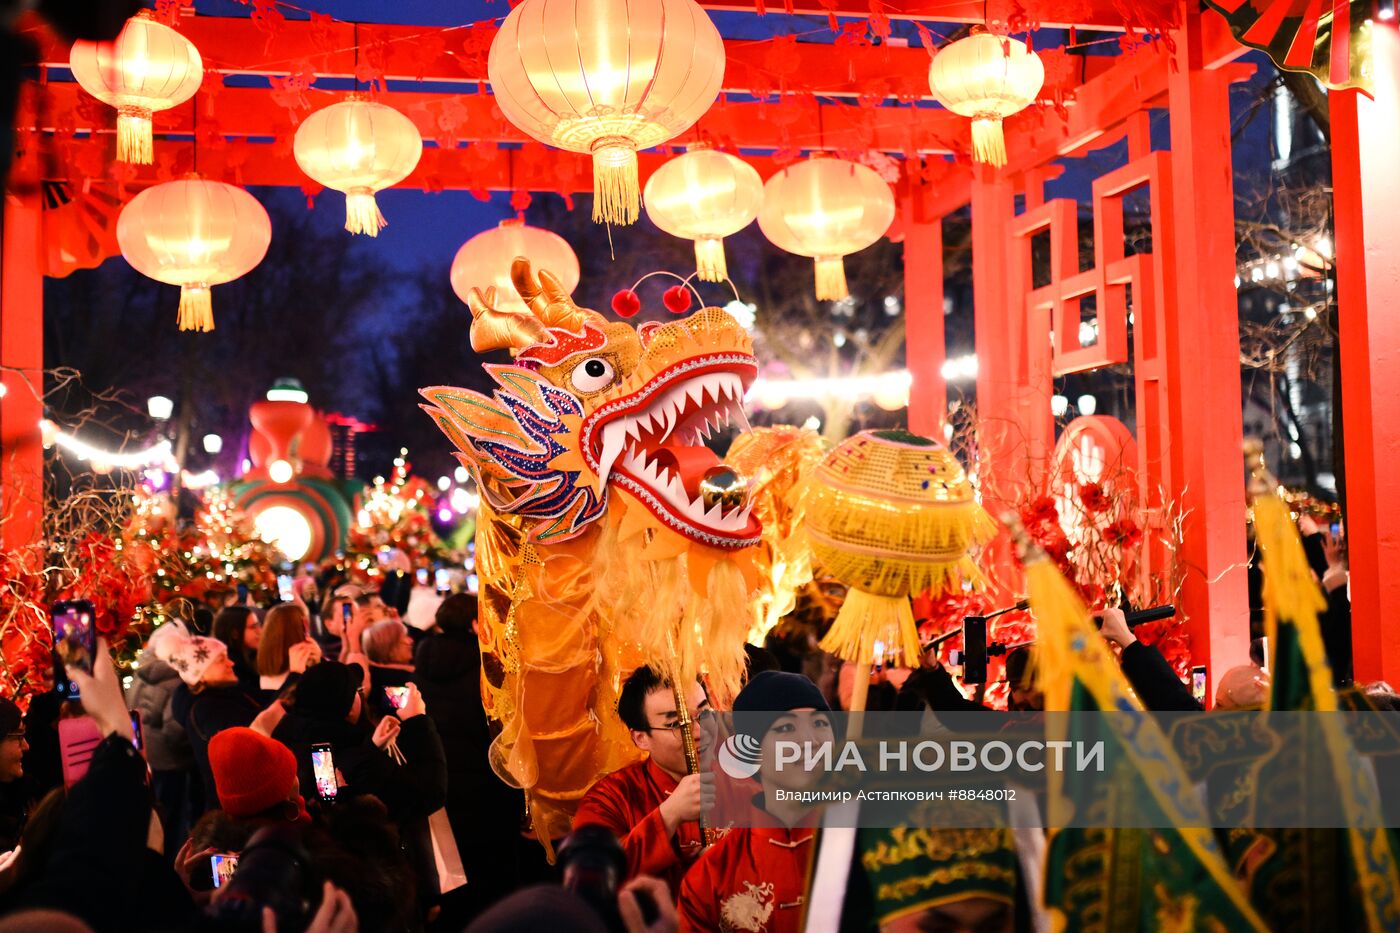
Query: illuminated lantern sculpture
pixel 826 209
pixel 149 67
pixel 606 78
pixel 987 78
pixel 358 147
pixel 704 196
pixel 891 514
pixel 194 233
pixel 484 261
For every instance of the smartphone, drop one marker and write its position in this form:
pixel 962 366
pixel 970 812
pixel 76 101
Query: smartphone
pixel 974 653
pixel 242 594
pixel 347 612
pixel 443 580
pixel 422 576
pixel 323 768
pixel 284 588
pixel 222 865
pixel 1198 683
pixel 1336 529
pixel 398 696
pixel 74 643
pixel 137 738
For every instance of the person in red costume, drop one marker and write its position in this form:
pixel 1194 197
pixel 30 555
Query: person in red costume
pixel 754 878
pixel 653 806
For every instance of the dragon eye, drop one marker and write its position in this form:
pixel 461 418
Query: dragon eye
pixel 592 374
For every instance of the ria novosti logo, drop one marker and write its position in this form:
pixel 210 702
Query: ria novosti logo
pixel 739 756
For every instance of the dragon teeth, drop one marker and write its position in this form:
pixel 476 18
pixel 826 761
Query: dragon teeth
pixel 614 439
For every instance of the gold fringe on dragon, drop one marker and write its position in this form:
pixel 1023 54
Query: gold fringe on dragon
pixel 609 535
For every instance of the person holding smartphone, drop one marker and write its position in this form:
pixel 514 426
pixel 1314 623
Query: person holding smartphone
pixel 327 714
pixel 209 700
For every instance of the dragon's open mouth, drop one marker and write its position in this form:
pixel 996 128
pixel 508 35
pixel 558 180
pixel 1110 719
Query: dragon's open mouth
pixel 652 443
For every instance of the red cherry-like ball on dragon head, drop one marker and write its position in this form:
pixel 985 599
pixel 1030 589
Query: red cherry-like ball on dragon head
pixel 626 303
pixel 676 299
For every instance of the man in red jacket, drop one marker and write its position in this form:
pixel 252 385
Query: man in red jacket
pixel 653 806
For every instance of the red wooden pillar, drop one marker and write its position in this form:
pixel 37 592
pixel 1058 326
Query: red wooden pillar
pixel 924 349
pixel 993 208
pixel 1203 359
pixel 22 371
pixel 1365 152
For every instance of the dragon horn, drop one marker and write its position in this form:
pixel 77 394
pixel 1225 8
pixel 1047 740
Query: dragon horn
pixel 547 298
pixel 493 329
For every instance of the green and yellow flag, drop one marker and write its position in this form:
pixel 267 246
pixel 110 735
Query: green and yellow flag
pixel 1109 879
pixel 1344 877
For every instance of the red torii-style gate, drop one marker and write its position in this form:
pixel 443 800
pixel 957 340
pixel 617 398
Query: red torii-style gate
pixel 1188 377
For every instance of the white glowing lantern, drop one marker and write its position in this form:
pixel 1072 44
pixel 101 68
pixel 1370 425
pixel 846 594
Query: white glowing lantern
pixel 607 78
pixel 359 147
pixel 285 528
pixel 280 471
pixel 485 260
pixel 988 78
pixel 149 67
pixel 826 209
pixel 704 196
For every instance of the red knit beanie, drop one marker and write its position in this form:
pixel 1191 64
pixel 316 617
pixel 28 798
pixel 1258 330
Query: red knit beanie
pixel 251 772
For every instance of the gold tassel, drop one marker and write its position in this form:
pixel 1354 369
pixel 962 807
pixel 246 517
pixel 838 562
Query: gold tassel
pixel 895 552
pixel 362 212
pixel 617 197
pixel 134 144
pixel 196 309
pixel 831 279
pixel 723 615
pixel 709 259
pixel 988 143
pixel 866 618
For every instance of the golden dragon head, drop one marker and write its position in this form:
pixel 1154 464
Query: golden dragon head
pixel 591 407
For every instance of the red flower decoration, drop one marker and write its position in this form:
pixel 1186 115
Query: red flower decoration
pixel 1124 532
pixel 1094 498
pixel 1042 511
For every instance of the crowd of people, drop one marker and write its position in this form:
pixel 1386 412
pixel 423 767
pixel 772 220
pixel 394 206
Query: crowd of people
pixel 325 766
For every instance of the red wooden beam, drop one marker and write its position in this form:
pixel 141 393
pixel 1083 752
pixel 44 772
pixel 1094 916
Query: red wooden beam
pixel 235 45
pixel 1101 14
pixel 800 123
pixel 475 168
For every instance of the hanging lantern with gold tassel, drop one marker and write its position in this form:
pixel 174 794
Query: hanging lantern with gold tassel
pixel 606 78
pixel 826 209
pixel 988 78
pixel 704 196
pixel 889 514
pixel 359 147
pixel 149 67
pixel 194 233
